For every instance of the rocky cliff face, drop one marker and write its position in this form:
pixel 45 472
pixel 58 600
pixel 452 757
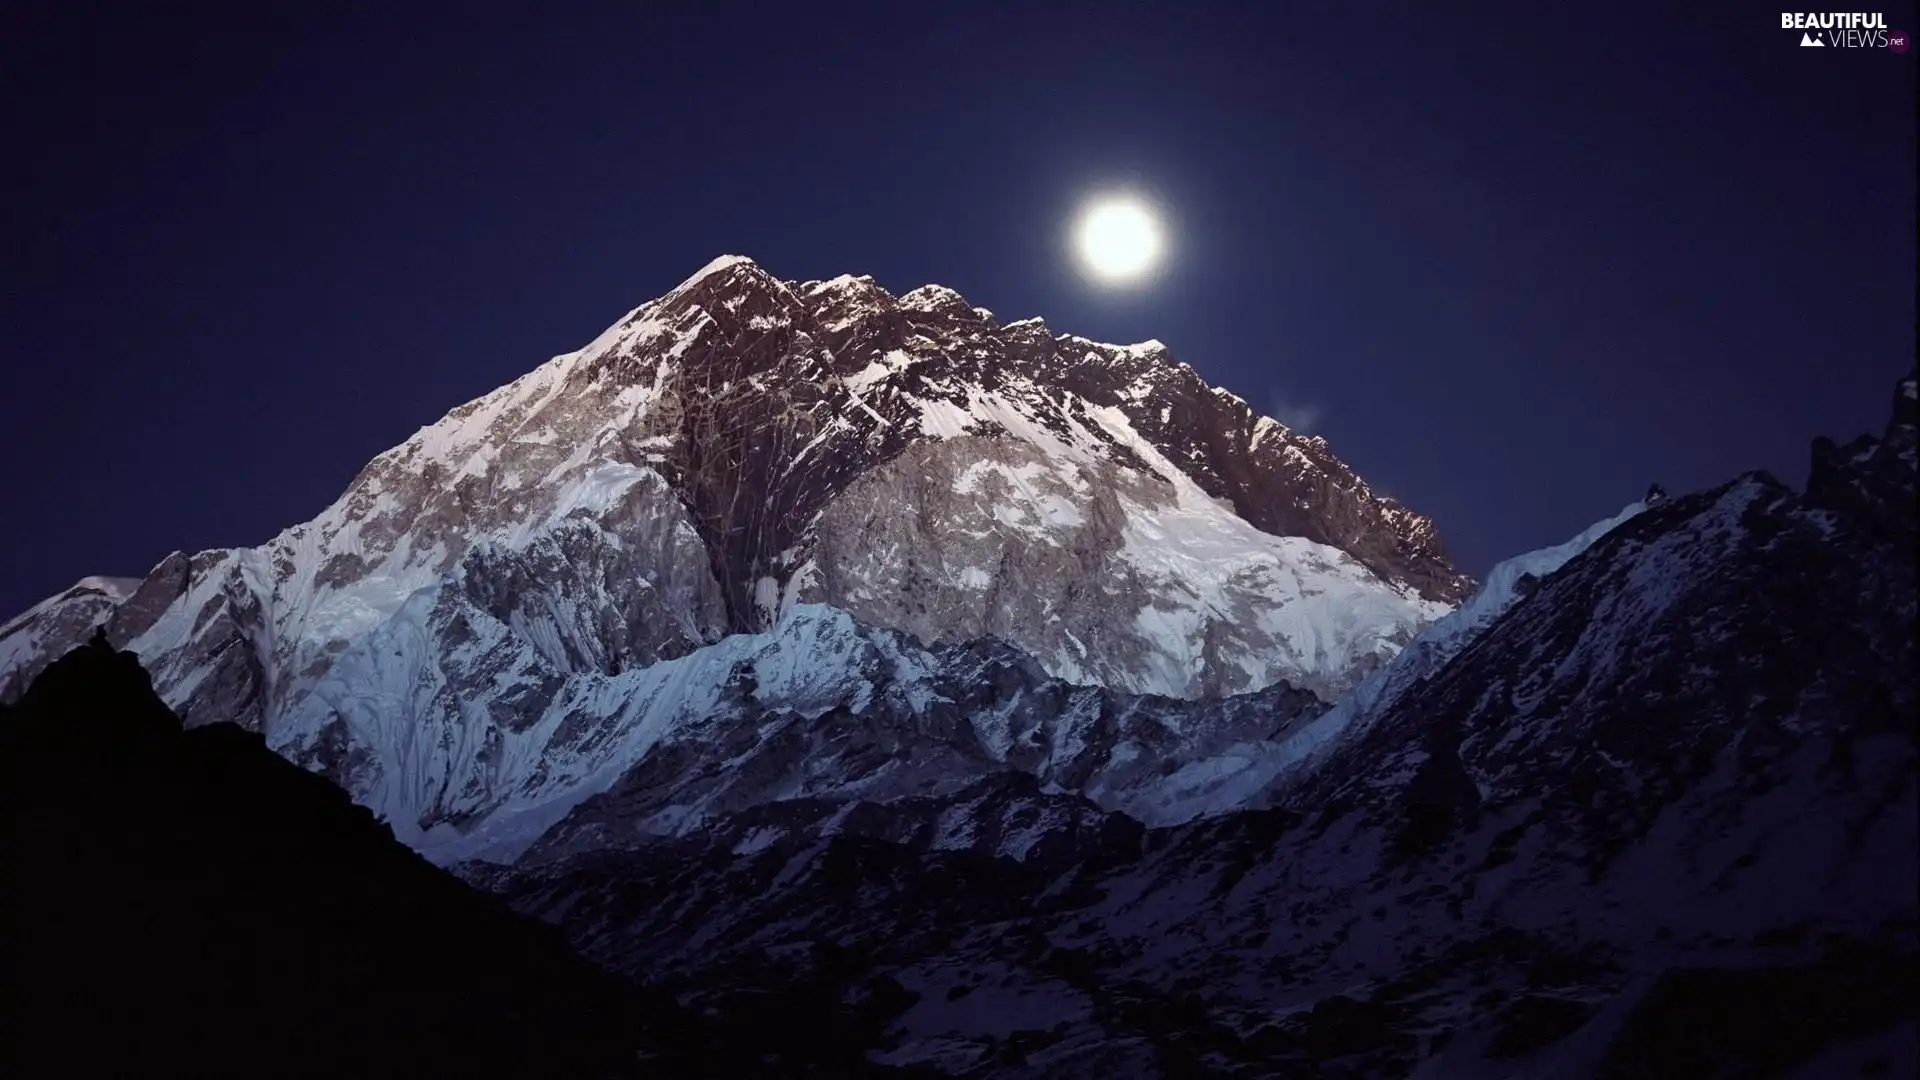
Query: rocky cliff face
pixel 788 392
pixel 464 631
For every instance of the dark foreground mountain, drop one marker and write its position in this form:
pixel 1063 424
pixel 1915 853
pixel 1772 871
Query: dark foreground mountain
pixel 1658 820
pixel 187 903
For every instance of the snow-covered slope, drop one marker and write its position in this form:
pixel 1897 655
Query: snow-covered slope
pixel 466 630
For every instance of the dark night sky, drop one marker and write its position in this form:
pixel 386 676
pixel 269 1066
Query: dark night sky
pixel 1520 263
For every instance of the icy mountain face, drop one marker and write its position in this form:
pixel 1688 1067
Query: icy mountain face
pixel 1664 800
pixel 504 614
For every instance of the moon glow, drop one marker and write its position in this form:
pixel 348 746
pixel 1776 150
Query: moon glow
pixel 1118 239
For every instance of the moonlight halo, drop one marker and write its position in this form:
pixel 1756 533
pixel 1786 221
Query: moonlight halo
pixel 1118 239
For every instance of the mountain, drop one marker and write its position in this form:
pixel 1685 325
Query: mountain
pixel 880 687
pixel 1655 814
pixel 515 608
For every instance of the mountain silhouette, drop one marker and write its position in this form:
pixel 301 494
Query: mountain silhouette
pixel 183 901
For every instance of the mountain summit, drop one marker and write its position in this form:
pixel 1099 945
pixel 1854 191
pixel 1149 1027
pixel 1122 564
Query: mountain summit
pixel 746 467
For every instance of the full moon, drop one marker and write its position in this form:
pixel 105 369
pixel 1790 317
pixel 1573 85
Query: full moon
pixel 1119 239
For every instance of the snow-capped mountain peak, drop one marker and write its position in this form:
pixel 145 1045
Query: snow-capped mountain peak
pixel 741 449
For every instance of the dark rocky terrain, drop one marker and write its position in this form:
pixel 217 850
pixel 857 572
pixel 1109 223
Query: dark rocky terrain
pixel 184 902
